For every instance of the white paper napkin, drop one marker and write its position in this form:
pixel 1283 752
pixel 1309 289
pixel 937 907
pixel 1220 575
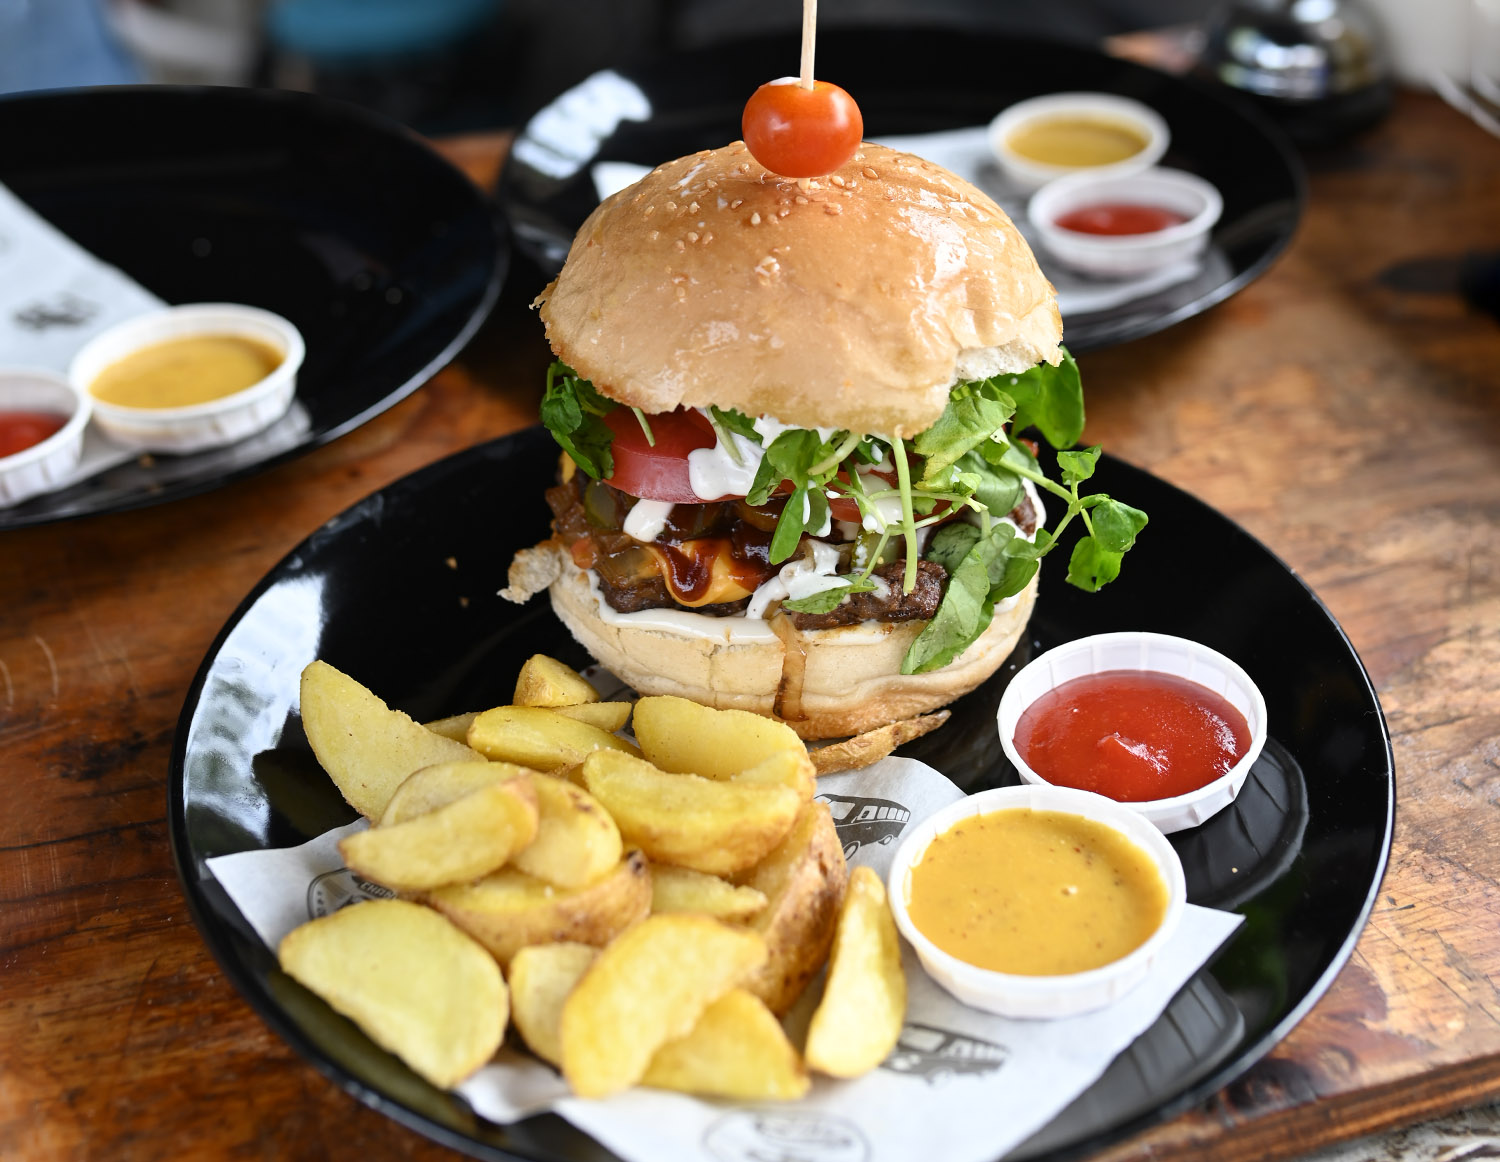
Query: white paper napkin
pixel 963 1086
pixel 54 297
pixel 967 153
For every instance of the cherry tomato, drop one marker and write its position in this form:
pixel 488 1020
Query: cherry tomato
pixel 802 133
pixel 657 471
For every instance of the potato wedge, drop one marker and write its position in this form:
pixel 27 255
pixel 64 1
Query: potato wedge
pixel 576 841
pixel 610 716
pixel 687 820
pixel 737 1049
pixel 455 726
pixel 685 738
pixel 541 978
pixel 864 1002
pixel 873 745
pixel 442 783
pixel 413 982
pixel 508 909
pixel 803 880
pixel 648 987
pixel 366 747
pixel 786 768
pixel 545 681
pixel 469 837
pixel 538 738
pixel 680 889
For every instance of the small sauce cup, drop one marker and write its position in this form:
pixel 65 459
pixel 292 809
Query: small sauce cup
pixel 46 465
pixel 193 427
pixel 1026 171
pixel 1161 653
pixel 1196 201
pixel 1016 995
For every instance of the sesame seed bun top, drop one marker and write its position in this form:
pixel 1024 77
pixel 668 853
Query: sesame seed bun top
pixel 851 301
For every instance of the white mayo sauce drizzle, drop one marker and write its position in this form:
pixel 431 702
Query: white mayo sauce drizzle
pixel 807 579
pixel 715 472
pixel 798 578
pixel 646 520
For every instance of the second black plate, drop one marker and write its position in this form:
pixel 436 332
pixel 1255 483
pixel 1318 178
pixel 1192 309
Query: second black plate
pixel 911 81
pixel 400 592
pixel 383 255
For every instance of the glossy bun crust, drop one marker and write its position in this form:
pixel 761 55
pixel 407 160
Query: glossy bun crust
pixel 851 301
pixel 852 680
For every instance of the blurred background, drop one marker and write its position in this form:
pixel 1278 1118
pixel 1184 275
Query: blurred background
pixel 446 66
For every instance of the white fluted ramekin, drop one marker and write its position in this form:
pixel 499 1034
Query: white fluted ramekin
pixel 47 465
pixel 197 426
pixel 1126 255
pixel 1014 995
pixel 1028 174
pixel 1163 654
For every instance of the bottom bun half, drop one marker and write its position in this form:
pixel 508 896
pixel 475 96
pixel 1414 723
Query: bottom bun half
pixel 823 683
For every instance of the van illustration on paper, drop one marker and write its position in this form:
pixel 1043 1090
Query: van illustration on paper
pixel 860 821
pixel 939 1054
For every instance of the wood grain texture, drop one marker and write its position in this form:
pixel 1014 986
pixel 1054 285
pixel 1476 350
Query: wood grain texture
pixel 1345 409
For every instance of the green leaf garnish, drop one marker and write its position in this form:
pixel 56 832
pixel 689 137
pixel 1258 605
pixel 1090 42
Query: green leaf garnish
pixel 571 409
pixel 1049 399
pixel 1077 467
pixel 824 601
pixel 735 421
pixel 975 412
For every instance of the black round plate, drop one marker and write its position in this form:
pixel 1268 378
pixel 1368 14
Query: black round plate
pixel 400 593
pixel 913 81
pixel 385 256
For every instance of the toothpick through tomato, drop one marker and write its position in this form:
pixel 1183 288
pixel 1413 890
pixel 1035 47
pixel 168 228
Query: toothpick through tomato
pixel 798 127
pixel 802 133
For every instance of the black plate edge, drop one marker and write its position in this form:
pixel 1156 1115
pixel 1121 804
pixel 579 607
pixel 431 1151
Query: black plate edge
pixel 503 249
pixel 249 988
pixel 219 943
pixel 1242 1062
pixel 1292 160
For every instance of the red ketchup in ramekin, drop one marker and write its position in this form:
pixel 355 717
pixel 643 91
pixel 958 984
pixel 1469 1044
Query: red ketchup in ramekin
pixel 1119 218
pixel 22 430
pixel 1132 735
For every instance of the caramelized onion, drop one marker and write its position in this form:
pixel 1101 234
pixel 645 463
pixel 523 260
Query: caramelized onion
pixel 788 705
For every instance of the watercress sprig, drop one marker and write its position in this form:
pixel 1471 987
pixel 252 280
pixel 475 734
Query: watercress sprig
pixel 572 411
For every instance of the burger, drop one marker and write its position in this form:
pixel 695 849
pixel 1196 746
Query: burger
pixel 795 477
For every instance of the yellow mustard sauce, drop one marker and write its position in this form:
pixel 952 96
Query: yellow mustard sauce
pixel 1036 893
pixel 1076 140
pixel 181 372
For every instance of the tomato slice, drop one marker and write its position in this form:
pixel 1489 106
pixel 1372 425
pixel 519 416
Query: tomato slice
pixel 659 470
pixel 841 506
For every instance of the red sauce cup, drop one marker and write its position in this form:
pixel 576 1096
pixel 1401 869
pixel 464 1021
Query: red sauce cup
pixel 1118 256
pixel 1152 652
pixel 50 463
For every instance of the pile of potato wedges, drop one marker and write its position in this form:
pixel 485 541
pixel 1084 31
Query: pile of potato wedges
pixel 640 911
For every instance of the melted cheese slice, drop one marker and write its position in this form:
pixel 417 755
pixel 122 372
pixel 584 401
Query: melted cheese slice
pixel 723 583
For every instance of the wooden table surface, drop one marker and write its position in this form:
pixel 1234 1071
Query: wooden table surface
pixel 1345 409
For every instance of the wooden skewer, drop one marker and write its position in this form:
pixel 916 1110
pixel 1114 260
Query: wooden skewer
pixel 809 35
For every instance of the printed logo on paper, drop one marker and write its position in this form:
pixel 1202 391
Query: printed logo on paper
pixel 338 889
pixel 785 1136
pixel 862 821
pixel 64 310
pixel 938 1055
